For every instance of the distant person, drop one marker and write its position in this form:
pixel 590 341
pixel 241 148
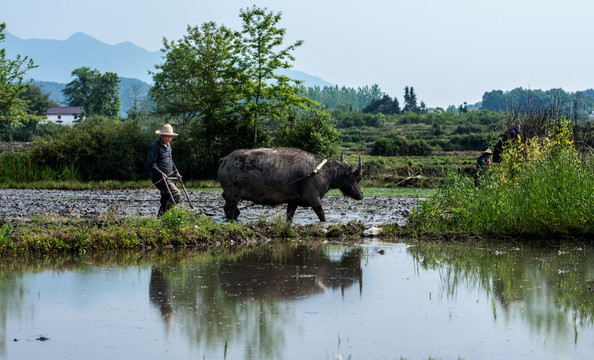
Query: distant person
pixel 511 135
pixel 161 166
pixel 482 164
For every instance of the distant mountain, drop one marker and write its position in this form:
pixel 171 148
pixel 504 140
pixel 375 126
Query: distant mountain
pixel 58 58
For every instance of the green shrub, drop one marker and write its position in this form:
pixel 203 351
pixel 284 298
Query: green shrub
pixel 98 148
pixel 542 187
pixel 313 132
pixel 175 218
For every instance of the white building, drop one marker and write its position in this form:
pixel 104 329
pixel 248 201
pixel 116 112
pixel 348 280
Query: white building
pixel 65 115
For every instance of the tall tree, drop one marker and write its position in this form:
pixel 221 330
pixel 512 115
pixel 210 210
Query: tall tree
pixel 199 84
pixel 13 109
pixel 38 100
pixel 96 93
pixel 268 93
pixel 410 100
pixel 222 85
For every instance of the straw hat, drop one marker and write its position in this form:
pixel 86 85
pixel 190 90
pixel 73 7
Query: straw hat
pixel 488 152
pixel 166 130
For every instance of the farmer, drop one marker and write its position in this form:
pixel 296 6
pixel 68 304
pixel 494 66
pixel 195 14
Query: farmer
pixel 482 164
pixel 509 137
pixel 161 166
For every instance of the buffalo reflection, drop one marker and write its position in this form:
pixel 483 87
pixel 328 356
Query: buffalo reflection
pixel 299 272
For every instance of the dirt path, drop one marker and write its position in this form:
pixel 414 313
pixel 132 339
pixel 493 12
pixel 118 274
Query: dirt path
pixel 21 205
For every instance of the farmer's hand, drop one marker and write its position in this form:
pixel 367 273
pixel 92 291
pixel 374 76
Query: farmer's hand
pixel 178 175
pixel 164 175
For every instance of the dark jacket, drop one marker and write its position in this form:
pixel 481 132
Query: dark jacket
pixel 160 160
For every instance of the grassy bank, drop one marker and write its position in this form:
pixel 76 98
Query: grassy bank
pixel 177 228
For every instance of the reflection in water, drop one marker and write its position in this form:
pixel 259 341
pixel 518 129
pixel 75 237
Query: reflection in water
pixel 547 288
pixel 11 301
pixel 296 301
pixel 299 272
pixel 245 300
pixel 160 294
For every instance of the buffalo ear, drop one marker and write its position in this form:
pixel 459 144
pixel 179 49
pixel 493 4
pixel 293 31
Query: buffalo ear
pixel 341 156
pixel 360 168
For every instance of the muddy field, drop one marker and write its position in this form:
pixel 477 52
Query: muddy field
pixel 22 205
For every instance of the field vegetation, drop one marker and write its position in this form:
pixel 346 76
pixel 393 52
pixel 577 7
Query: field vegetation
pixel 542 187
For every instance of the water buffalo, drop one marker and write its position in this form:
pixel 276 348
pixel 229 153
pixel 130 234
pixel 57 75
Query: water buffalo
pixel 284 176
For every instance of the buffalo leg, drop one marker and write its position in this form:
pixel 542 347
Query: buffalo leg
pixel 320 212
pixel 291 208
pixel 231 210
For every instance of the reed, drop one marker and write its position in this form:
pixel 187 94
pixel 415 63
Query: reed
pixel 17 167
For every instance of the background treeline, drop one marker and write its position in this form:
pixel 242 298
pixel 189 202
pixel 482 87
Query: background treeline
pixel 578 105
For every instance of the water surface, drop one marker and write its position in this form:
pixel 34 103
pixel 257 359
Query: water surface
pixel 327 301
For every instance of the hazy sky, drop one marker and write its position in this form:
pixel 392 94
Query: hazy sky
pixel 450 51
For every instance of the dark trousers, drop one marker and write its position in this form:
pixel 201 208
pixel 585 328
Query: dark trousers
pixel 170 194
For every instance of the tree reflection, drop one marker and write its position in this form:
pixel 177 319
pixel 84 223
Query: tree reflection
pixel 549 288
pixel 245 302
pixel 12 296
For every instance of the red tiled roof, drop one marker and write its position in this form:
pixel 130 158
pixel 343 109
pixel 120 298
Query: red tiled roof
pixel 64 110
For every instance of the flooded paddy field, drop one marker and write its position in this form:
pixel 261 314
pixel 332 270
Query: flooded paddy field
pixel 371 300
pixel 22 205
pixel 358 299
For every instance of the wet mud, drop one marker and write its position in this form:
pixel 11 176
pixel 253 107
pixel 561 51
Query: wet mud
pixel 23 205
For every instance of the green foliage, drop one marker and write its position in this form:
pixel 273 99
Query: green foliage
pixel 314 132
pixel 525 100
pixel 345 99
pixel 100 148
pixel 410 101
pixel 268 95
pixel 37 104
pixel 38 100
pixel 5 234
pixel 396 145
pixel 96 93
pixel 475 142
pixel 20 167
pixel 13 108
pixel 385 105
pixel 199 84
pixel 175 218
pixel 542 187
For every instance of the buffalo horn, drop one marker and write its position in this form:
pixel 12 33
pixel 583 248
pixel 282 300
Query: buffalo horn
pixel 341 156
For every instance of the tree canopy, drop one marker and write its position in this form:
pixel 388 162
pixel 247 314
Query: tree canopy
pixel 573 105
pixel 224 90
pixel 96 93
pixel 13 108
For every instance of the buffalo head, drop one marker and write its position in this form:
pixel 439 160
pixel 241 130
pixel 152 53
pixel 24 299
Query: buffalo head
pixel 351 183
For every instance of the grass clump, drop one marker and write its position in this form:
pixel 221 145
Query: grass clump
pixel 542 187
